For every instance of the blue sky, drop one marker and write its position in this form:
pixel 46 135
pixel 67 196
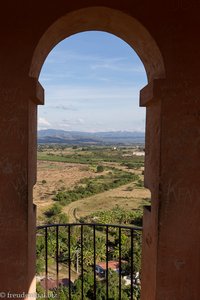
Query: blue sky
pixel 92 82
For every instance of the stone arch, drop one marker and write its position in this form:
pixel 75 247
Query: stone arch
pixel 102 19
pixel 137 36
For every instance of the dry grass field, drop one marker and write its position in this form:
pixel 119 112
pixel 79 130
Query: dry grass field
pixel 54 176
pixel 120 197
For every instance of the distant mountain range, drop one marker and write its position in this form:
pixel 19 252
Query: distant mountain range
pixel 55 136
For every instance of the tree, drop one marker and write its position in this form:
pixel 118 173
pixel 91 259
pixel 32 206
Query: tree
pixel 100 169
pixel 60 218
pixel 54 210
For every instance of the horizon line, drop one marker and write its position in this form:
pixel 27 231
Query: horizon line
pixel 92 131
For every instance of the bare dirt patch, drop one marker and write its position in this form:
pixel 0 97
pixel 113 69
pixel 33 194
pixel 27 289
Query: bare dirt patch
pixel 53 176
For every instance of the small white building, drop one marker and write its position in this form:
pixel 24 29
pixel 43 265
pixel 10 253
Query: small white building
pixel 138 153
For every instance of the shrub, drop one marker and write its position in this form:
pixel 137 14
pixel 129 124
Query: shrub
pixel 100 169
pixel 91 186
pixel 140 183
pixel 60 218
pixel 54 210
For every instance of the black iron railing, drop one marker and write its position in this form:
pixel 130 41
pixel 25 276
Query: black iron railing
pixel 88 259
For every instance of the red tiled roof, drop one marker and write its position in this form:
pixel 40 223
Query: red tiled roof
pixel 112 264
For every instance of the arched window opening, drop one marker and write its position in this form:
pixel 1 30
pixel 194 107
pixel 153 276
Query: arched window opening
pixel 91 156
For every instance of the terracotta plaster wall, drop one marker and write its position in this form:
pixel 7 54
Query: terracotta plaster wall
pixel 171 267
pixel 179 228
pixel 149 99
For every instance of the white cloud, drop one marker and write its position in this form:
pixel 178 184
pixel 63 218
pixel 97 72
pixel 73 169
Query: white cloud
pixel 43 123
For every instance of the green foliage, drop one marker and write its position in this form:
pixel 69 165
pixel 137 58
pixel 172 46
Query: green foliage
pixel 60 218
pixel 40 265
pixel 90 155
pixel 88 256
pixel 55 216
pixel 40 291
pixel 88 288
pixel 50 296
pixel 91 186
pixel 130 165
pixel 117 215
pixel 100 169
pixel 54 210
pixel 140 183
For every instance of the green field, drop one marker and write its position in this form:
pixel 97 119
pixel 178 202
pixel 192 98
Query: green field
pixel 90 155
